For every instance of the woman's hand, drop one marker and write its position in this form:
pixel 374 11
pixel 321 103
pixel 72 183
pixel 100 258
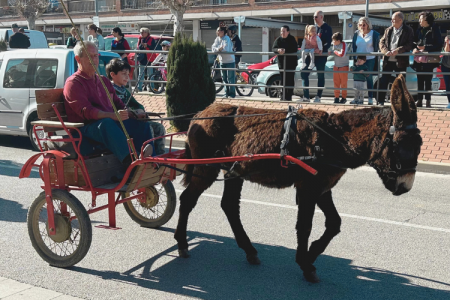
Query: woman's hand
pixel 421 47
pixel 415 51
pixel 318 51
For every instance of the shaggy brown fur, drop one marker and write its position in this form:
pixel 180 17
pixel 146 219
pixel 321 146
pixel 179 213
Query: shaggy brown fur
pixel 362 132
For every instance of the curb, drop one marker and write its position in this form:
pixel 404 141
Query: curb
pixel 423 166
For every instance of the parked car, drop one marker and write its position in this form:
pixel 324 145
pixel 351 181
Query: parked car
pixel 132 40
pixel 259 66
pixel 37 38
pixel 441 79
pixel 272 77
pixel 24 71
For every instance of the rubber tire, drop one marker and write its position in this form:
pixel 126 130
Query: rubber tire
pixel 219 88
pixel 85 226
pixel 272 81
pixel 30 135
pixel 250 89
pixel 154 85
pixel 167 215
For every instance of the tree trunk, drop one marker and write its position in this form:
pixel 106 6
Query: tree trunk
pixel 31 22
pixel 178 24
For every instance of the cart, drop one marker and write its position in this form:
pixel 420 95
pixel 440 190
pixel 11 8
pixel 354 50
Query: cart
pixel 58 223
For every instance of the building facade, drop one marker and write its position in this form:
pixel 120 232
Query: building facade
pixel 204 16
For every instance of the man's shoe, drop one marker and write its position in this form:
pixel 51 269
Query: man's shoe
pixel 317 99
pixel 148 151
pixel 419 103
pixel 336 100
pixel 343 101
pixel 303 99
pixel 370 101
pixel 356 101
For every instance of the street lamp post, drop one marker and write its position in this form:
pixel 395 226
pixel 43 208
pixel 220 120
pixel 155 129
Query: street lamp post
pixel 367 8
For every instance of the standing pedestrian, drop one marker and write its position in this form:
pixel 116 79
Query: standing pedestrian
pixel 96 37
pixel 72 40
pixel 427 39
pixel 324 32
pixel 396 39
pixel 145 42
pixel 18 40
pixel 237 44
pixel 367 40
pixel 445 67
pixel 223 43
pixel 120 43
pixel 310 45
pixel 359 79
pixel 341 63
pixel 286 44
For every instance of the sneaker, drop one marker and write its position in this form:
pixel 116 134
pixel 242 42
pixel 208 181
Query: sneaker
pixel 303 66
pixel 312 66
pixel 370 101
pixel 302 99
pixel 317 99
pixel 148 151
pixel 336 100
pixel 448 106
pixel 381 103
pixel 356 101
pixel 343 101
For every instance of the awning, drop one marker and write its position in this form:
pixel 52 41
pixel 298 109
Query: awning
pixel 260 22
pixel 376 21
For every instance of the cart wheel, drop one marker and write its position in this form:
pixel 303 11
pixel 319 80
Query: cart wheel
pixel 73 238
pixel 158 207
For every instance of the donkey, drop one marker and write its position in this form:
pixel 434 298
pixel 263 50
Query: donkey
pixel 386 138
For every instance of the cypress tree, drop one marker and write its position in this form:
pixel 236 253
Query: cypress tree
pixel 190 87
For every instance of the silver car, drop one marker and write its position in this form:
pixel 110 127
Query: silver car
pixel 271 76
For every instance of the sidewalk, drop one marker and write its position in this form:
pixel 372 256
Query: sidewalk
pixel 14 290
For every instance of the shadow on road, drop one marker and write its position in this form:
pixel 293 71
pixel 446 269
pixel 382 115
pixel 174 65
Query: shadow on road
pixel 11 168
pixel 217 269
pixel 12 211
pixel 21 142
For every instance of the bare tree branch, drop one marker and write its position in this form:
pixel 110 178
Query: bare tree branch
pixel 30 9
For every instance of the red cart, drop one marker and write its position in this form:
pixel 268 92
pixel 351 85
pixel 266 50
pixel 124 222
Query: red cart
pixel 58 223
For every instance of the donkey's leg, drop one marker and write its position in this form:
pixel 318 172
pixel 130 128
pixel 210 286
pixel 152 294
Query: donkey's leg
pixel 306 205
pixel 332 226
pixel 188 200
pixel 230 205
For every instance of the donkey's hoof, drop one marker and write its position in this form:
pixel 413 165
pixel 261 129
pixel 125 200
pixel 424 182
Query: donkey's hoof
pixel 184 253
pixel 253 259
pixel 311 277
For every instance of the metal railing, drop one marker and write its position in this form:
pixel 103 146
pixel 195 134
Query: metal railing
pixel 217 2
pixel 377 73
pixel 141 4
pixel 89 5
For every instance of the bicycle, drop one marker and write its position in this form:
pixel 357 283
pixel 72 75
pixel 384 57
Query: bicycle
pixel 243 90
pixel 159 75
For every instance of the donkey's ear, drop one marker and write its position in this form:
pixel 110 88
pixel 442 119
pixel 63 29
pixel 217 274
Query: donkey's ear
pixel 402 102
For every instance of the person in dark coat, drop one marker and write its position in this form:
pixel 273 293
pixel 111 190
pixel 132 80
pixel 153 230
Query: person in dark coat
pixel 18 40
pixel 237 44
pixel 396 39
pixel 427 39
pixel 286 44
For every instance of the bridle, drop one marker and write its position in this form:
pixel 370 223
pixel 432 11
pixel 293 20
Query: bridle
pixel 404 156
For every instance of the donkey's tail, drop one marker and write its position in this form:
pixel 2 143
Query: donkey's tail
pixel 188 168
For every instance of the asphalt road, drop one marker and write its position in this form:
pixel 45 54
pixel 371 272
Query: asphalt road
pixel 389 247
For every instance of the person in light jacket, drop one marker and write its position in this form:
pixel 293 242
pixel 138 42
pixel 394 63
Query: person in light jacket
pixel 96 37
pixel 223 43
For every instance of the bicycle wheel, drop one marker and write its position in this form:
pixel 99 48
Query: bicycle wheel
pixel 73 238
pixel 217 78
pixel 158 207
pixel 244 89
pixel 157 87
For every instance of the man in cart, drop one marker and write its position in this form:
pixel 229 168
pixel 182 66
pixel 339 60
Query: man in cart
pixel 86 102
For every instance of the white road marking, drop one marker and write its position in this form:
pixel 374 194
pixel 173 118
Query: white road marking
pixel 15 168
pixel 341 214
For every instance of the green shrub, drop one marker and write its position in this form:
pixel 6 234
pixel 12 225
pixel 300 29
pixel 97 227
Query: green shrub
pixel 190 87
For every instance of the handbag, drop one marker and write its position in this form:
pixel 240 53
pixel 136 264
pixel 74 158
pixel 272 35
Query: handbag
pixel 433 59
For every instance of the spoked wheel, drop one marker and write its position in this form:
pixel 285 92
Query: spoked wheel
pixel 274 92
pixel 244 89
pixel 73 238
pixel 157 87
pixel 218 87
pixel 158 207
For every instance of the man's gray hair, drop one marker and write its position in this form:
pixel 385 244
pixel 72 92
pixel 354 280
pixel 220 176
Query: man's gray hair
pixel 145 29
pixel 320 13
pixel 78 49
pixel 367 21
pixel 400 15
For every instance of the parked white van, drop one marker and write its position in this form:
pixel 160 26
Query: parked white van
pixel 24 71
pixel 37 38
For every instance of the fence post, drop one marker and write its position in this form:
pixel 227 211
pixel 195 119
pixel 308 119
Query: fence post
pixel 283 89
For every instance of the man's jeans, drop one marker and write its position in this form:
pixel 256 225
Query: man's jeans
pixel 109 134
pixel 142 77
pixel 229 76
pixel 370 63
pixel 159 130
pixel 320 62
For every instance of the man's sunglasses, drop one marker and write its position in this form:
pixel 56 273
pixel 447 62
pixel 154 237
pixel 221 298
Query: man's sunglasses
pixel 315 17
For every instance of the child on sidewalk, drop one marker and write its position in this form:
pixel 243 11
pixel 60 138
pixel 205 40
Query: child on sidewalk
pixel 118 72
pixel 341 63
pixel 359 80
pixel 311 44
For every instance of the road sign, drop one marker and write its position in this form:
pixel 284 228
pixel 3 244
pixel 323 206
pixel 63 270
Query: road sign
pixel 239 19
pixel 344 15
pixel 96 21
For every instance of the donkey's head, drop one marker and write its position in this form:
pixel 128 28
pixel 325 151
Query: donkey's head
pixel 396 156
